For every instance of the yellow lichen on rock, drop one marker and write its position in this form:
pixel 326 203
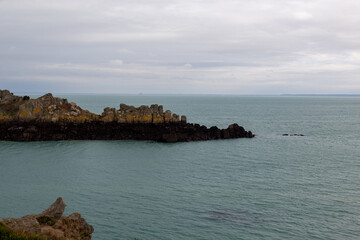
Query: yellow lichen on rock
pixel 5 117
pixel 129 119
pixel 37 110
pixel 49 108
pixel 158 119
pixel 147 119
pixel 24 114
pixel 81 119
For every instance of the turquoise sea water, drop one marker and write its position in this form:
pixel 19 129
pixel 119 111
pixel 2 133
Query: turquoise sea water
pixel 269 187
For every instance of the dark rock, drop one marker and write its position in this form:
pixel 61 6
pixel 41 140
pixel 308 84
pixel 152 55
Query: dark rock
pixel 97 130
pixel 183 119
pixel 168 137
pixel 293 135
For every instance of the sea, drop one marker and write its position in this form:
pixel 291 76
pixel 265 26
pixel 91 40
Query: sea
pixel 268 187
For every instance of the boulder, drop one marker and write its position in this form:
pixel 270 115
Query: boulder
pixel 7 97
pixel 109 115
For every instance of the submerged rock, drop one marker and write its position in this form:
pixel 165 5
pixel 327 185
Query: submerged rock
pixel 293 135
pixel 51 224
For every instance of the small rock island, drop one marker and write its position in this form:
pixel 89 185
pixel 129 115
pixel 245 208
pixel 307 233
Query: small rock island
pixel 52 118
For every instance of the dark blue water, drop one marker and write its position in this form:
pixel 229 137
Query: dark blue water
pixel 269 187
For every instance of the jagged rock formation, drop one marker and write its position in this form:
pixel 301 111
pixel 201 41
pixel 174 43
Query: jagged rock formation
pixel 51 224
pixel 45 108
pixel 51 118
pixel 143 114
pixel 49 108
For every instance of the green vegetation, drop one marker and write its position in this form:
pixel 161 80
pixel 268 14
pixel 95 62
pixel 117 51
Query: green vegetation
pixel 8 234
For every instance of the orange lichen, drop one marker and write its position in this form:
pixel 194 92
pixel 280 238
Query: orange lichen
pixel 81 119
pixel 5 117
pixel 158 119
pixel 129 118
pixel 147 118
pixel 24 114
pixel 36 110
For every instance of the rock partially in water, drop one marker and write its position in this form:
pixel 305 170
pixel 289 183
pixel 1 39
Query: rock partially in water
pixel 51 224
pixel 51 118
pixel 97 130
pixel 293 135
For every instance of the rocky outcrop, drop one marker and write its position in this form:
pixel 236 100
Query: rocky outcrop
pixel 51 224
pixel 143 114
pixel 51 118
pixel 45 108
pixel 50 108
pixel 7 97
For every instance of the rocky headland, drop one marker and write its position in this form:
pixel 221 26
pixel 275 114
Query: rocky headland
pixel 50 224
pixel 51 118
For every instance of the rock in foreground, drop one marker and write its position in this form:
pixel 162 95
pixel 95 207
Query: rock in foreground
pixel 50 118
pixel 51 224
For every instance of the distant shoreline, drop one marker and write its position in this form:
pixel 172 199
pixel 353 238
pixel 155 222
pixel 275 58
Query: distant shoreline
pixel 194 94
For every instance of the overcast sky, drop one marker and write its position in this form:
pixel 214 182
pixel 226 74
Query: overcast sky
pixel 187 46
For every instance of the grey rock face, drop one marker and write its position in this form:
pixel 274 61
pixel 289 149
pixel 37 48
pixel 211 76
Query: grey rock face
pixel 56 209
pixel 8 97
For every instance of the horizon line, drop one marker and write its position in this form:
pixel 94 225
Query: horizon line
pixel 198 94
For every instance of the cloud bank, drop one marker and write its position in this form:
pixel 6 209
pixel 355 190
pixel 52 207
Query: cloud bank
pixel 168 46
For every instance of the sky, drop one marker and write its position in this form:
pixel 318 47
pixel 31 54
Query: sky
pixel 180 47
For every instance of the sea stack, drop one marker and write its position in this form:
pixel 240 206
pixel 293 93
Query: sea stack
pixel 52 118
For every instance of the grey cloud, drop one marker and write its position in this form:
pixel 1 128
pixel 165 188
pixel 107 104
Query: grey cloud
pixel 247 47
